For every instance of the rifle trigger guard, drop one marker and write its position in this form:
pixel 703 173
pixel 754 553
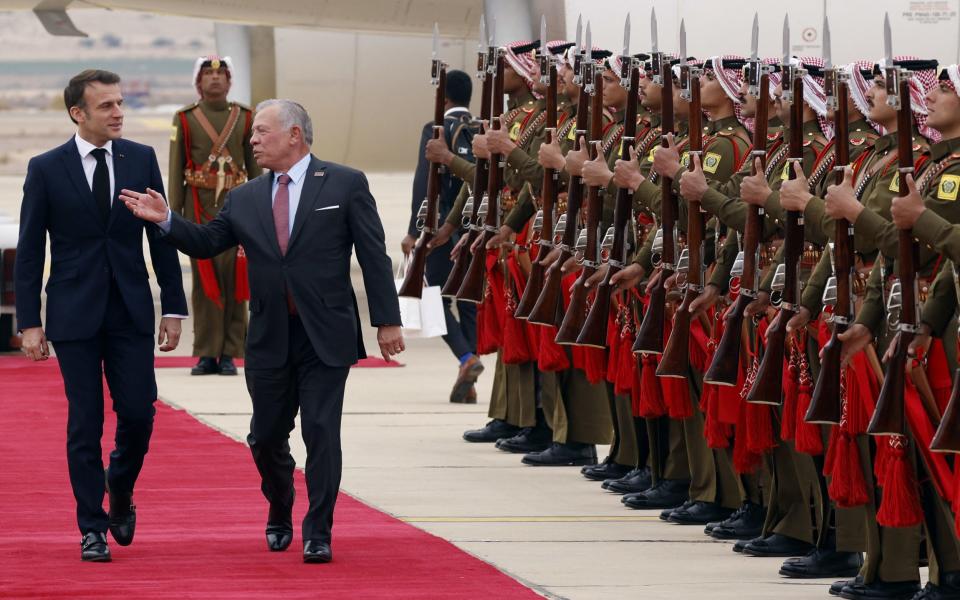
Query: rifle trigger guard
pixel 908 328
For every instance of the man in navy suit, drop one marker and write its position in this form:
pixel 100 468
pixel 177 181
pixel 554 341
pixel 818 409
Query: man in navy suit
pixel 100 314
pixel 298 223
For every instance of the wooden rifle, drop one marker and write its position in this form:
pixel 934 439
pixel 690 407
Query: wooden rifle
pixel 650 334
pixel 543 223
pixel 472 219
pixel 725 367
pixel 429 214
pixel 473 283
pixel 826 403
pixel 675 361
pixel 576 311
pixel 594 331
pixel 889 416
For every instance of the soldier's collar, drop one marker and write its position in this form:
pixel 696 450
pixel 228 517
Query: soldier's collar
pixel 944 148
pixel 726 124
pixel 215 104
pixel 811 128
pixel 523 97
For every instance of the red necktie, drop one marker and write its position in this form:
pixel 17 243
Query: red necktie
pixel 281 212
pixel 281 222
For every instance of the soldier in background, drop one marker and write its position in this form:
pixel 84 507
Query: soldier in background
pixel 210 153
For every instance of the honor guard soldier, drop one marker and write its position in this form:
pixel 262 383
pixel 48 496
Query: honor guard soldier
pixel 210 154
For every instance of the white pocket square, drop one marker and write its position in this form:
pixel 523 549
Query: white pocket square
pixel 327 208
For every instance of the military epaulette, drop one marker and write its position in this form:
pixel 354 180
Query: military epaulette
pixel 188 107
pixel 917 147
pixel 807 143
pixel 776 135
pixel 858 141
pixel 242 106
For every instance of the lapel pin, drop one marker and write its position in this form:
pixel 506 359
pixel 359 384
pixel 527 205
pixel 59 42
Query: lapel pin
pixel 120 155
pixel 318 173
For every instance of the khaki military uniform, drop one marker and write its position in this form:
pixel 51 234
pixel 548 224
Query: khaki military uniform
pixel 219 326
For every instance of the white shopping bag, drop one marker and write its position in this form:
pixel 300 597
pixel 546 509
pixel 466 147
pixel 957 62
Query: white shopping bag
pixel 423 317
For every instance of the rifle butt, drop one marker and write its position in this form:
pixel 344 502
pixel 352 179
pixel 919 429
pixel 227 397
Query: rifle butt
pixel 548 306
pixel 650 334
pixel 412 286
pixel 594 332
pixel 768 386
pixel 675 361
pixel 531 292
pixel 947 438
pixel 888 417
pixel 576 313
pixel 826 404
pixel 472 288
pixel 725 367
pixel 459 270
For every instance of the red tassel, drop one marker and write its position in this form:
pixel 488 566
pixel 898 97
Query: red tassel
pixel 677 394
pixel 595 364
pixel 552 357
pixel 791 389
pixel 744 461
pixel 208 280
pixel 900 505
pixel 830 459
pixel 847 487
pixel 651 395
pixel 241 290
pixel 758 420
pixel 613 343
pixel 625 378
pixel 636 394
pixel 806 435
pixel 717 434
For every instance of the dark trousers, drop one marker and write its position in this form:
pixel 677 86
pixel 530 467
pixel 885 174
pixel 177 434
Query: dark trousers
pixel 125 356
pixel 461 334
pixel 306 385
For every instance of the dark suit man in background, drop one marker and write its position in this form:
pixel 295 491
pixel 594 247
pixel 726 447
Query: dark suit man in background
pixel 461 335
pixel 298 224
pixel 100 315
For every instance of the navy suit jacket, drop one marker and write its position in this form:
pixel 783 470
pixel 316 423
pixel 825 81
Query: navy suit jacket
pixel 336 214
pixel 87 253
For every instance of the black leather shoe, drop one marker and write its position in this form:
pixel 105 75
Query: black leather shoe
pixel 123 516
pixel 491 432
pixel 777 545
pixel 837 586
pixel 699 513
pixel 668 493
pixel 881 590
pixel 207 365
pixel 226 366
pixel 745 523
pixel 608 469
pixel 944 591
pixel 562 455
pixel 280 525
pixel 530 439
pixel 665 513
pixel 637 480
pixel 739 545
pixel 820 563
pixel 93 547
pixel 316 552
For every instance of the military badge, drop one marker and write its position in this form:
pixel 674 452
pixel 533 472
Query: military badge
pixel 949 186
pixel 711 160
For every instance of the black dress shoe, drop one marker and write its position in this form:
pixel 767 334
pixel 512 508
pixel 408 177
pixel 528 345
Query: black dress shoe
pixel 530 439
pixel 699 513
pixel 491 432
pixel 777 545
pixel 665 513
pixel 606 470
pixel 944 591
pixel 667 493
pixel 316 552
pixel 226 366
pixel 881 590
pixel 93 547
pixel 637 480
pixel 562 455
pixel 820 563
pixel 123 516
pixel 207 365
pixel 837 586
pixel 739 545
pixel 745 523
pixel 280 525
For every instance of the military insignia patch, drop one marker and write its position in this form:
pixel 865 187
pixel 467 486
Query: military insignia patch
pixel 685 159
pixel 711 160
pixel 652 152
pixel 785 174
pixel 949 186
pixel 173 133
pixel 895 183
pixel 572 134
pixel 515 131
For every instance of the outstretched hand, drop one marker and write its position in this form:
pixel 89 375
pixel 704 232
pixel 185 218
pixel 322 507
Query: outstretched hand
pixel 149 206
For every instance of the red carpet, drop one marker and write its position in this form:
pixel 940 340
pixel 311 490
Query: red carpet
pixel 200 522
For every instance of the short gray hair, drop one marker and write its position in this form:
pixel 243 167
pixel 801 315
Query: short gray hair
pixel 291 114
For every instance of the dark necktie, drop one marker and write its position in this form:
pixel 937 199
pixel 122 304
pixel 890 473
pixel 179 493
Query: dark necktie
pixel 281 223
pixel 281 212
pixel 101 183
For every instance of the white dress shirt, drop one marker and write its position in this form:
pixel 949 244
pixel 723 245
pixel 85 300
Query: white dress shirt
pixel 89 162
